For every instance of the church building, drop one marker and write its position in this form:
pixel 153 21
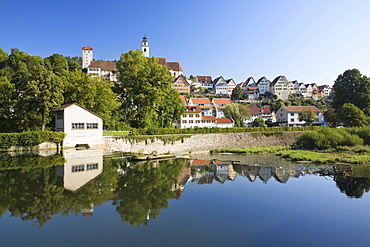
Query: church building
pixel 108 69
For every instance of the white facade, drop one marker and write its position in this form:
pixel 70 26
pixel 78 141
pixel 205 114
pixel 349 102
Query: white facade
pixel 279 87
pixel 221 86
pixel 263 85
pixel 231 85
pixel 87 56
pixel 81 126
pixel 106 74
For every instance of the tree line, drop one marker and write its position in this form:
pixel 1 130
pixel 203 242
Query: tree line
pixel 31 87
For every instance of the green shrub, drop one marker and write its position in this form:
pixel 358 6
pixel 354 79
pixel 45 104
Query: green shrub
pixel 326 138
pixel 363 133
pixel 8 140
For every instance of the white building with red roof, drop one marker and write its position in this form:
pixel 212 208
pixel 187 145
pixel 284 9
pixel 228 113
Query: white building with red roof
pixel 192 117
pixel 289 115
pixel 204 104
pixel 219 105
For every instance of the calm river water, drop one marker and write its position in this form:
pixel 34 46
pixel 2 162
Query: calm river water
pixel 85 199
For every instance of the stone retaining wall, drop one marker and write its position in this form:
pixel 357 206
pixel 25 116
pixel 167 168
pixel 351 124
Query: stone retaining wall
pixel 200 142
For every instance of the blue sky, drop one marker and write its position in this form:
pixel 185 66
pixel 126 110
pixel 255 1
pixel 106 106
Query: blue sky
pixel 308 41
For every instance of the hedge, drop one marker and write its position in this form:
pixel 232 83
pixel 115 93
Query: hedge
pixel 218 130
pixel 33 138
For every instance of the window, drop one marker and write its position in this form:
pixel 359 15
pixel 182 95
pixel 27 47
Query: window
pixel 92 166
pixel 92 126
pixel 292 120
pixel 78 126
pixel 184 121
pixel 191 115
pixel 190 121
pixel 78 168
pixel 292 114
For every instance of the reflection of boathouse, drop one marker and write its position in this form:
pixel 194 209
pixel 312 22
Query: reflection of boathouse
pixel 81 167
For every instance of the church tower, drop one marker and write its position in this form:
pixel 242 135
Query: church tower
pixel 87 56
pixel 145 47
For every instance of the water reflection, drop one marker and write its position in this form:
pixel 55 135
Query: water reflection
pixel 35 188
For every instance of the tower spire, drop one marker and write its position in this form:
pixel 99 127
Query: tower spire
pixel 145 46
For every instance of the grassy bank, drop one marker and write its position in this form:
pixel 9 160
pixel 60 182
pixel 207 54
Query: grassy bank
pixel 326 157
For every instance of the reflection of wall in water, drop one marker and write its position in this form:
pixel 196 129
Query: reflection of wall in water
pixel 81 167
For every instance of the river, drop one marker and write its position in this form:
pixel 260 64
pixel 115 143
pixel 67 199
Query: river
pixel 84 198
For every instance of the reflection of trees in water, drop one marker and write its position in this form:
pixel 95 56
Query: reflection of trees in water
pixel 32 193
pixel 353 187
pixel 145 188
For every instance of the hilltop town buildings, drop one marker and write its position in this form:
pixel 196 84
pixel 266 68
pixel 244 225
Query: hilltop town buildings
pixel 108 69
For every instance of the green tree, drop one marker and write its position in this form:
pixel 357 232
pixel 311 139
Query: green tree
pixel 74 63
pixel 7 102
pixel 238 113
pixel 3 58
pixel 352 87
pixel 331 117
pixel 307 116
pixel 56 62
pixel 145 90
pixel 259 122
pixel 193 78
pixel 350 115
pixel 41 91
pixel 237 93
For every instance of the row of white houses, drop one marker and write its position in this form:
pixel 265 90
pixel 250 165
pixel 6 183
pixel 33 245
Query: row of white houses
pixel 252 90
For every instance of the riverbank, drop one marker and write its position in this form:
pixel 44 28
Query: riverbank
pixel 199 142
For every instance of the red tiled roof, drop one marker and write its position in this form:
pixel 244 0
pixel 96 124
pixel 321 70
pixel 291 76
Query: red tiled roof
pixel 200 101
pixel 204 78
pixel 189 109
pixel 183 98
pixel 301 108
pixel 200 162
pixel 223 120
pixel 162 61
pixel 222 101
pixel 103 65
pixel 208 118
pixel 175 66
pixel 87 48
pixel 265 110
pixel 253 110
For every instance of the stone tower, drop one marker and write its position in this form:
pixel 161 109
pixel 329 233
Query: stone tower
pixel 87 56
pixel 145 47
